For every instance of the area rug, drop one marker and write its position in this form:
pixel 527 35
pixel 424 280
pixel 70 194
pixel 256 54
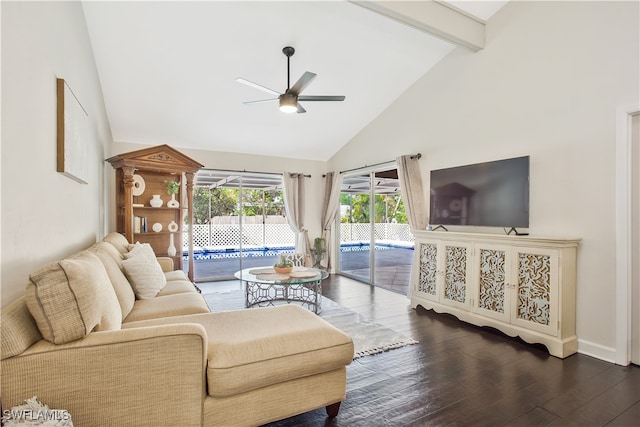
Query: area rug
pixel 368 338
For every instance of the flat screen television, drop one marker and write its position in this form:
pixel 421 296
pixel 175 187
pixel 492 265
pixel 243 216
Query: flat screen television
pixel 492 194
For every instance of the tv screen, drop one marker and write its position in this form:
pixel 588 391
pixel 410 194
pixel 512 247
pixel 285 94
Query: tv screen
pixel 493 194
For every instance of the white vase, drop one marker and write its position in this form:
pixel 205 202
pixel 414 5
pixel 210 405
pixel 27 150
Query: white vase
pixel 156 201
pixel 171 250
pixel 173 203
pixel 172 227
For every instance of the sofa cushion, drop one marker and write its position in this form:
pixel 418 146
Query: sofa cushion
pixel 254 348
pixel 70 298
pixel 166 263
pixel 118 241
pixel 167 306
pixel 119 281
pixel 19 330
pixel 144 272
pixel 111 251
pixel 177 287
pixel 175 275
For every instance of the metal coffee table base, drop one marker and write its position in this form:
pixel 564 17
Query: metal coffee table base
pixel 267 294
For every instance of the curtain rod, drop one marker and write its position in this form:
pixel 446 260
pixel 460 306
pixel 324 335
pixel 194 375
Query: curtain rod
pixel 414 156
pixel 246 171
pixel 241 171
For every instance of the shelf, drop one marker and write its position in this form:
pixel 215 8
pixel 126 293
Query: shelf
pixel 161 208
pixel 159 233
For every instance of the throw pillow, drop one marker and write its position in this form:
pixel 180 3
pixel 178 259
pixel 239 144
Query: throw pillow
pixel 120 283
pixel 70 298
pixel 144 272
pixel 143 249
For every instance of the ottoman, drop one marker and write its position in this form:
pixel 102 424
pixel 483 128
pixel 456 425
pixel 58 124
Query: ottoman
pixel 265 364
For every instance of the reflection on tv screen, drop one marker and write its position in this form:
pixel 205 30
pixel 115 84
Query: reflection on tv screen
pixel 493 194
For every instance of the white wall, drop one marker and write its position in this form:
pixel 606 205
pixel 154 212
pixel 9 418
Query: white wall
pixel 547 85
pixel 314 186
pixel 45 215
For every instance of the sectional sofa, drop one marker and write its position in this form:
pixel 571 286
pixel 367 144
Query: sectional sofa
pixel 116 337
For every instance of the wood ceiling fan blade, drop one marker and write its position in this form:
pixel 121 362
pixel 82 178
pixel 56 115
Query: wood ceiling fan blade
pixel 260 101
pixel 257 86
pixel 321 98
pixel 300 109
pixel 302 82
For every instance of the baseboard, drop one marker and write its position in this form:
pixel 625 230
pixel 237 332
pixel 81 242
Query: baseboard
pixel 598 351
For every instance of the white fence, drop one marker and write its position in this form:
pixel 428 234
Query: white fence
pixel 229 236
pixel 267 235
pixel 382 231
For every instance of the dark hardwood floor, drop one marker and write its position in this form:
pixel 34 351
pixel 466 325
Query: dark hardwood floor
pixel 462 375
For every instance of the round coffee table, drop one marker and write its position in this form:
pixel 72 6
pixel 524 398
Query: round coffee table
pixel 265 287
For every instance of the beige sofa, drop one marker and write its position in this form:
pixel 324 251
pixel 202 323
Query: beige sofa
pixel 81 340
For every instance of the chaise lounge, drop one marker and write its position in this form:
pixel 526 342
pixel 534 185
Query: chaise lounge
pixel 86 338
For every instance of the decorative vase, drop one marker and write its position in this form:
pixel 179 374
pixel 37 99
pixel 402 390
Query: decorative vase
pixel 156 201
pixel 173 203
pixel 172 227
pixel 171 250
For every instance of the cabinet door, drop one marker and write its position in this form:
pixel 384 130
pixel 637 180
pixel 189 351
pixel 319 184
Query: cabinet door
pixel 492 266
pixel 534 300
pixel 426 285
pixel 456 273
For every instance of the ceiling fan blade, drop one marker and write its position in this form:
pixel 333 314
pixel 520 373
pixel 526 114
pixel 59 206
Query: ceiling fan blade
pixel 256 86
pixel 321 98
pixel 300 109
pixel 259 101
pixel 302 82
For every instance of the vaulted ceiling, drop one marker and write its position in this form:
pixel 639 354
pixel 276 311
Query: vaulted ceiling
pixel 168 69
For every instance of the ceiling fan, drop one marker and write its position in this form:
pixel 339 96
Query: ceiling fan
pixel 289 100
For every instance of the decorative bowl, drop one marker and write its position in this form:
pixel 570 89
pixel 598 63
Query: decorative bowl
pixel 283 270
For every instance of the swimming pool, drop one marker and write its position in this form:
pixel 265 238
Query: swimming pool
pixel 204 253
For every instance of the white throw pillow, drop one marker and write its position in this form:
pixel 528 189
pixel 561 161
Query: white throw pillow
pixel 144 271
pixel 143 249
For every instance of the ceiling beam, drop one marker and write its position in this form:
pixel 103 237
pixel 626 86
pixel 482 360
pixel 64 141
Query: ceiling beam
pixel 435 18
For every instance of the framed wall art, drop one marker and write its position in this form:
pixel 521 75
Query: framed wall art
pixel 73 134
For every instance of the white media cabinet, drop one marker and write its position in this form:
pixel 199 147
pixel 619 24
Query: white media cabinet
pixel 521 285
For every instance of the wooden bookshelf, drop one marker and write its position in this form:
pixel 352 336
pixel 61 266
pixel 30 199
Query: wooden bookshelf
pixel 140 175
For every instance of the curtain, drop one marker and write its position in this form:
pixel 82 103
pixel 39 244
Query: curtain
pixel 412 192
pixel 331 202
pixel 294 196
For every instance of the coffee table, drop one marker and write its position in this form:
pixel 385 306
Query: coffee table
pixel 265 287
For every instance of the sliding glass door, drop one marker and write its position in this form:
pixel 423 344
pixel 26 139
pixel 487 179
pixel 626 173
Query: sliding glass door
pixel 239 223
pixel 376 245
pixel 355 257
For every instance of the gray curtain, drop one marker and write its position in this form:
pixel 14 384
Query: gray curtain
pixel 331 202
pixel 294 196
pixel 412 192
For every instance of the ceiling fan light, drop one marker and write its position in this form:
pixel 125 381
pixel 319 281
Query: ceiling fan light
pixel 288 103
